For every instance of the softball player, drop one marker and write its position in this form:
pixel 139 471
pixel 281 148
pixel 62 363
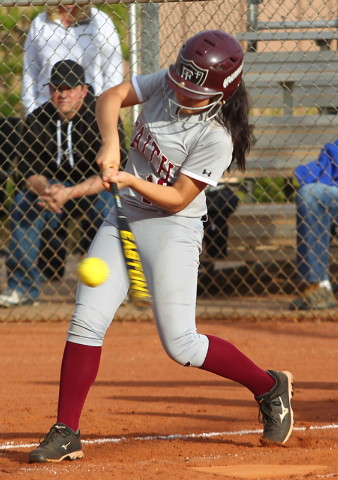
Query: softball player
pixel 193 125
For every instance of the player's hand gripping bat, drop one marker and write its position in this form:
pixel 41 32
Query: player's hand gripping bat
pixel 138 291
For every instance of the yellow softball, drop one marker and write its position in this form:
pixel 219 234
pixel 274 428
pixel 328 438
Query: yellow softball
pixel 93 271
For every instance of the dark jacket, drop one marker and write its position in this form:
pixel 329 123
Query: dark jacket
pixel 60 150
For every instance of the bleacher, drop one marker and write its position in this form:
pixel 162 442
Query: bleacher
pixel 294 105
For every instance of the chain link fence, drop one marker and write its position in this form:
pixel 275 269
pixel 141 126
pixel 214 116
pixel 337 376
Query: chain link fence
pixel 249 265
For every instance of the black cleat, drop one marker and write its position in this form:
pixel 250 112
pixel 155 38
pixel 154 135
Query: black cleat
pixel 275 411
pixel 61 443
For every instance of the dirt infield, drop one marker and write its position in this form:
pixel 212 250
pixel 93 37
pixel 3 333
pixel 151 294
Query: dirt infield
pixel 148 418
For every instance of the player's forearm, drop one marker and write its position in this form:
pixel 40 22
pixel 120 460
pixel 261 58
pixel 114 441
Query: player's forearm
pixel 164 197
pixel 108 107
pixel 107 112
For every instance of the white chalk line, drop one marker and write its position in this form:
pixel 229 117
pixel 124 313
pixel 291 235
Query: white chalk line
pixel 99 441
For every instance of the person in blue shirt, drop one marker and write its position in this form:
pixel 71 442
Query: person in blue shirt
pixel 317 211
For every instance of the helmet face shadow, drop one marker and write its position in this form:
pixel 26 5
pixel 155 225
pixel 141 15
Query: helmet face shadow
pixel 176 110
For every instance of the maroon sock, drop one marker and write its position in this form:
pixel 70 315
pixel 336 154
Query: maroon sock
pixel 227 361
pixel 79 368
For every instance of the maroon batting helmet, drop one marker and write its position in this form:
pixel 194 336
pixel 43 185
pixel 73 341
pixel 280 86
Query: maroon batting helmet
pixel 208 64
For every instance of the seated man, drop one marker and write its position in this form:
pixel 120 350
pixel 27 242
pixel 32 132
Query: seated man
pixel 317 210
pixel 61 180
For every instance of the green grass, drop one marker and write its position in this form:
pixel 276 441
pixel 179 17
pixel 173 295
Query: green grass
pixel 269 190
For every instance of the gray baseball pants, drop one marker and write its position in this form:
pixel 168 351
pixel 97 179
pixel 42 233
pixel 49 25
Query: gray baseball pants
pixel 169 247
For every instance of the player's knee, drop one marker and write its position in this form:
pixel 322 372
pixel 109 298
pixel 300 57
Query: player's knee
pixel 86 331
pixel 189 350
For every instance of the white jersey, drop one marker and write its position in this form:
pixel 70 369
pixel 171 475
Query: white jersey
pixel 94 44
pixel 161 147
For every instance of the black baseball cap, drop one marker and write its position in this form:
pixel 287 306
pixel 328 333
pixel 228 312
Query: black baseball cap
pixel 68 73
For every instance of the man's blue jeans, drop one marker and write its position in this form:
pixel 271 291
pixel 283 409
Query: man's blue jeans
pixel 28 220
pixel 317 208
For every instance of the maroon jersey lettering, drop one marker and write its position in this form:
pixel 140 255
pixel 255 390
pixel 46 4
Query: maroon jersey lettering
pixel 136 140
pixel 155 151
pixel 165 167
pixel 144 143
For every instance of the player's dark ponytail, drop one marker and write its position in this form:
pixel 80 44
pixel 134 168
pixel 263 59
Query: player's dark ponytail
pixel 234 116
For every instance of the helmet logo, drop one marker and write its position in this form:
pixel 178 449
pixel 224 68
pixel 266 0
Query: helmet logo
pixel 188 70
pixel 232 77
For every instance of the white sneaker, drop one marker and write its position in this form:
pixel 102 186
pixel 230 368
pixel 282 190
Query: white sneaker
pixel 13 298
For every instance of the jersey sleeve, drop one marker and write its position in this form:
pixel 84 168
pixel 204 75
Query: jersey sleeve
pixel 210 157
pixel 146 85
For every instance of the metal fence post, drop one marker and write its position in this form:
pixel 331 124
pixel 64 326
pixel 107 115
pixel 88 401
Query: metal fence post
pixel 149 38
pixel 133 52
